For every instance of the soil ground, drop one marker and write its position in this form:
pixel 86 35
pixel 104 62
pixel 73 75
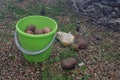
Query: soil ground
pixel 101 58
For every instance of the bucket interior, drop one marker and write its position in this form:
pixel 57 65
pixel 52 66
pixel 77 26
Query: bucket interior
pixel 39 22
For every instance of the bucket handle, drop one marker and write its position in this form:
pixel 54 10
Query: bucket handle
pixel 30 52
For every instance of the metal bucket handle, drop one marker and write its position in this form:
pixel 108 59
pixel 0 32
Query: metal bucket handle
pixel 30 52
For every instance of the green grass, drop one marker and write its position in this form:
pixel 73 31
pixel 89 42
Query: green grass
pixel 107 46
pixel 5 36
pixel 108 34
pixel 48 74
pixel 55 59
pixel 18 12
pixel 83 69
pixel 59 9
pixel 67 27
pixel 85 77
pixel 67 52
pixel 113 56
pixel 62 77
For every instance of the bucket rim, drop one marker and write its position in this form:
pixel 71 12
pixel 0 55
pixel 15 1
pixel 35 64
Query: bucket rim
pixel 38 35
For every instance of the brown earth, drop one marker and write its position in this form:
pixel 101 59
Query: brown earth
pixel 101 58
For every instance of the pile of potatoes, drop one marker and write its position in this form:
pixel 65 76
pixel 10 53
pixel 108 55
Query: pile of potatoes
pixel 33 30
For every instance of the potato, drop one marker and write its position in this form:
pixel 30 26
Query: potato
pixel 69 63
pixel 29 32
pixel 30 28
pixel 38 31
pixel 46 30
pixel 82 44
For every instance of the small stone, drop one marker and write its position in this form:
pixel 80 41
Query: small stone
pixel 81 64
pixel 82 44
pixel 78 28
pixel 98 37
pixel 37 72
pixel 65 38
pixel 75 46
pixel 68 64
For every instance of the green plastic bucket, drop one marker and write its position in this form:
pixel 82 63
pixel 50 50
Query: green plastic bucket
pixel 35 48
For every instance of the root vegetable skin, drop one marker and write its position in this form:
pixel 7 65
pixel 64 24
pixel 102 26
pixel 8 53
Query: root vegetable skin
pixel 34 30
pixel 30 28
pixel 46 30
pixel 68 64
pixel 29 32
pixel 38 31
pixel 82 44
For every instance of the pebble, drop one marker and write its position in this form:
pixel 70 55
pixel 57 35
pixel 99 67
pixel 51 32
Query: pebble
pixel 75 46
pixel 98 37
pixel 81 64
